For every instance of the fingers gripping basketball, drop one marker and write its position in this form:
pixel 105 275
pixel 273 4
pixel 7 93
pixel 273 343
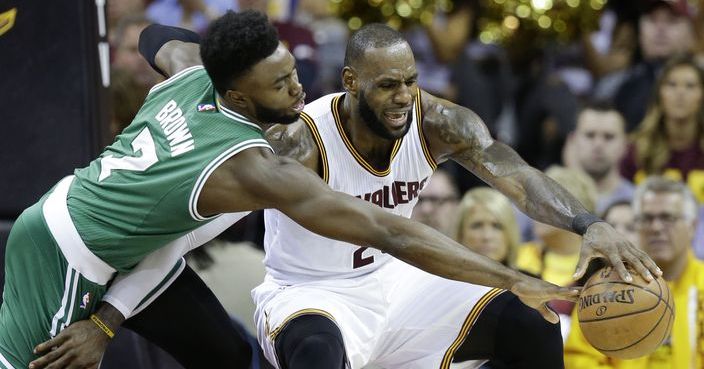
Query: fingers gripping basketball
pixel 625 320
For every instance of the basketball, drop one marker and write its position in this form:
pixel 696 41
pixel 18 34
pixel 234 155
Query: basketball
pixel 625 320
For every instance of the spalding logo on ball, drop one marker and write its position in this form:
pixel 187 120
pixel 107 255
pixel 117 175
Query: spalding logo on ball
pixel 622 319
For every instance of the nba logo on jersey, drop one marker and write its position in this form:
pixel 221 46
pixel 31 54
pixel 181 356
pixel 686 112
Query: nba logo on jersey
pixel 85 301
pixel 206 107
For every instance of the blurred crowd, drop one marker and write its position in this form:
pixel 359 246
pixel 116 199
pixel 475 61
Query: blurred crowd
pixel 616 117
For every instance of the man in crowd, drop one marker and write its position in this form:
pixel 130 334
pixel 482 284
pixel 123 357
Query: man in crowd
pixel 437 203
pixel 596 148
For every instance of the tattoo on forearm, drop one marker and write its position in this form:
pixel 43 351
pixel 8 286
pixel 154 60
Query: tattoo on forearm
pixel 294 145
pixel 549 202
pixel 463 129
pixel 469 143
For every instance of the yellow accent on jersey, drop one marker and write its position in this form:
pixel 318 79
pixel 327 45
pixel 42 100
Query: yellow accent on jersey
pixel 424 143
pixel 467 325
pixel 357 156
pixel 319 141
pixel 273 334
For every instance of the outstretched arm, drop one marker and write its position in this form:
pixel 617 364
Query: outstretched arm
pixel 459 134
pixel 282 183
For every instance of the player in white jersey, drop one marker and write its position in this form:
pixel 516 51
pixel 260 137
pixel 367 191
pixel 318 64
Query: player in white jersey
pixel 251 79
pixel 330 304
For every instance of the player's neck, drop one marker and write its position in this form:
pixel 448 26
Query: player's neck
pixel 375 149
pixel 244 113
pixel 608 184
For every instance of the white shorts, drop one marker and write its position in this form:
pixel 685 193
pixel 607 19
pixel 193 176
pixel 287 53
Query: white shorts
pixel 396 317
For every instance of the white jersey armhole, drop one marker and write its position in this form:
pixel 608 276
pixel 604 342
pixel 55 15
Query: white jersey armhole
pixel 174 78
pixel 212 166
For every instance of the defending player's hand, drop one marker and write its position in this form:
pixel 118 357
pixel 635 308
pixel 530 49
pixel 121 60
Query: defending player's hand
pixel 80 345
pixel 602 240
pixel 537 293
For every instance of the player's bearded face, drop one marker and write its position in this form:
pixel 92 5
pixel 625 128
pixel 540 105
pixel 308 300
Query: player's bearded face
pixel 376 124
pixel 280 116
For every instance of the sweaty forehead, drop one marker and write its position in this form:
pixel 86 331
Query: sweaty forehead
pixel 269 69
pixel 395 59
pixel 656 202
pixel 591 120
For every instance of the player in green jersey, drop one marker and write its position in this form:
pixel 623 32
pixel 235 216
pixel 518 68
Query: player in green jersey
pixel 194 151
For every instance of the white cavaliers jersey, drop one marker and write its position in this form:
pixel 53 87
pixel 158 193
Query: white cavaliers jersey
pixel 294 254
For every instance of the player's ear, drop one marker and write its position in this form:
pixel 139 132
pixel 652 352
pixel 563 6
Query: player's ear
pixel 349 80
pixel 236 98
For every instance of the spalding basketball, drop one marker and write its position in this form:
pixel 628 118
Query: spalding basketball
pixel 625 320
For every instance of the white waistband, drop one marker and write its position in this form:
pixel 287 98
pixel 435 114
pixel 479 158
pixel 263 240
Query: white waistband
pixel 64 232
pixel 5 362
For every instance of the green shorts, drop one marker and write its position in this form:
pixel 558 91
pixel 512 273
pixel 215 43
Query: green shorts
pixel 43 293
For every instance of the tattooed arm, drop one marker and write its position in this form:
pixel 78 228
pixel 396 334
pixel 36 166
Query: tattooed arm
pixel 457 133
pixel 295 141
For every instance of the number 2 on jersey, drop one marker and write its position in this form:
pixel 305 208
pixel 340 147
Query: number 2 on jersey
pixel 144 142
pixel 359 260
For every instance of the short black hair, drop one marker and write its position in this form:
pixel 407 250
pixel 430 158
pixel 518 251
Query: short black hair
pixel 234 43
pixel 370 36
pixel 600 105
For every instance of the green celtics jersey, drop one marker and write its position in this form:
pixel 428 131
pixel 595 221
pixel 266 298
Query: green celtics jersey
pixel 142 192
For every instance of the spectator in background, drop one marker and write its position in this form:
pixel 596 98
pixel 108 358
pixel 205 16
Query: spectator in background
pixel 555 253
pixel 620 215
pixel 297 37
pixel 437 203
pixel 596 147
pixel 609 52
pixel 664 29
pixel 545 109
pixel 439 44
pixel 670 140
pixel 330 34
pixel 116 10
pixel 190 14
pixel 126 55
pixel 486 224
pixel 666 214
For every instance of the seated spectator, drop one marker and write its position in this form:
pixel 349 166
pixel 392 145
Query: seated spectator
pixel 596 147
pixel 437 45
pixel 438 202
pixel 664 29
pixel 554 255
pixel 611 51
pixel 666 214
pixel 670 140
pixel 620 215
pixel 330 34
pixel 124 44
pixel 116 10
pixel 190 14
pixel 486 224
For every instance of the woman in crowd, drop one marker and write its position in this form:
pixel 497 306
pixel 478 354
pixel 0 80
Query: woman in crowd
pixel 670 139
pixel 486 223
